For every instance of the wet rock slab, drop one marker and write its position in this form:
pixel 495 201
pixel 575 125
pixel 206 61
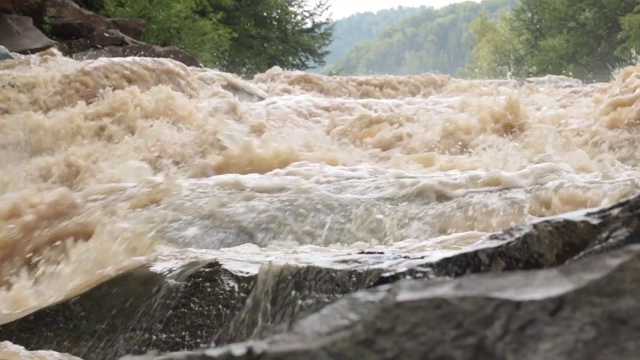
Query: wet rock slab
pixel 121 315
pixel 187 308
pixel 589 309
pixel 545 243
pixel 204 302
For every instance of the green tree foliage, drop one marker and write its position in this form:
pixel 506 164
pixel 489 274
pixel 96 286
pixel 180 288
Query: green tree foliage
pixel 498 52
pixel 266 33
pixel 432 40
pixel 586 39
pixel 630 36
pixel 177 23
pixel 240 36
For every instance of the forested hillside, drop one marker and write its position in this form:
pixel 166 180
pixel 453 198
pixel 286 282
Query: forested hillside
pixel 350 31
pixel 438 41
pixel 585 39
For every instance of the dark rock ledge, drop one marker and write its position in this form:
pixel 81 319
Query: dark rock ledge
pixel 208 302
pixel 586 310
pixel 144 310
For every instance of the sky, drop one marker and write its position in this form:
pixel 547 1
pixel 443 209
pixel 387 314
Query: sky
pixel 344 8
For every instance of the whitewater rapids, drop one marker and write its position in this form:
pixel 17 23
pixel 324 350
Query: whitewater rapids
pixel 106 163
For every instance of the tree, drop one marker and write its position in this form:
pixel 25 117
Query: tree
pixel 177 23
pixel 498 52
pixel 630 35
pixel 240 36
pixel 267 33
pixel 585 39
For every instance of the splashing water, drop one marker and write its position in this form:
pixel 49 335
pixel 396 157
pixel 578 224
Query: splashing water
pixel 105 162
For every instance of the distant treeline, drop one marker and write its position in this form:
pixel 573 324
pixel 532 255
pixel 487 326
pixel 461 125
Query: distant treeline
pixel 586 39
pixel 432 40
pixel 351 31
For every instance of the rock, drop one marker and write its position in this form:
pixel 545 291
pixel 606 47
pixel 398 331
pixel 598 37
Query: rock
pixel 586 310
pixel 136 311
pixel 545 243
pixel 86 35
pixel 83 34
pixel 130 27
pixel 183 308
pixel 5 54
pixel 80 33
pixel 18 34
pixel 208 301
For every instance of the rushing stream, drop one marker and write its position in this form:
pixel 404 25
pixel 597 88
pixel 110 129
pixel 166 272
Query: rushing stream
pixel 108 162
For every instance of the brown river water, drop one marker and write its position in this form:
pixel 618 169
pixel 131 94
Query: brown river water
pixel 106 164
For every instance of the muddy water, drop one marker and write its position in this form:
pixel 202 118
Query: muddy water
pixel 107 163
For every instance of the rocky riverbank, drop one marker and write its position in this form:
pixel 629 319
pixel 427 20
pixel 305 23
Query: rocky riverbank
pixel 586 310
pixel 76 32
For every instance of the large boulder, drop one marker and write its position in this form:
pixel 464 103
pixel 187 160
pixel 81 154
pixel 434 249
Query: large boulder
pixel 18 34
pixel 586 310
pixel 157 307
pixel 544 243
pixel 210 301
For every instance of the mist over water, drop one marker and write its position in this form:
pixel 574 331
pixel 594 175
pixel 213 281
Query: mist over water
pixel 108 162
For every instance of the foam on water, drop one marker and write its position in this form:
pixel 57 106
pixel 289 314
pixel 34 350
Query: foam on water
pixel 109 163
pixel 9 351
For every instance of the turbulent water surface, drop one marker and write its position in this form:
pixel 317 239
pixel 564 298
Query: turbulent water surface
pixel 106 163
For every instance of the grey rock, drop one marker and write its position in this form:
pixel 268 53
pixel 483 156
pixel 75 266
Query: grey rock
pixel 79 33
pixel 545 243
pixel 184 309
pixel 5 54
pixel 586 310
pixel 204 302
pixel 18 34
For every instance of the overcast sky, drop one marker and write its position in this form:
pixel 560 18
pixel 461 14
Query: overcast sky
pixel 344 8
